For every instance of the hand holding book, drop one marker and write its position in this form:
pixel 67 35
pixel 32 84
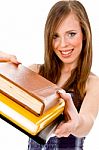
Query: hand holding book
pixel 4 57
pixel 27 88
pixel 29 101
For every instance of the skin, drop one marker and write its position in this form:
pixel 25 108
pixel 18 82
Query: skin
pixel 4 57
pixel 67 43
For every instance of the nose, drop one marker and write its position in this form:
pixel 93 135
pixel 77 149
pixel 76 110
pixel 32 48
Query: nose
pixel 63 42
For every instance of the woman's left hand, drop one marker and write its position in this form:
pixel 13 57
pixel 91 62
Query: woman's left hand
pixel 67 127
pixel 5 57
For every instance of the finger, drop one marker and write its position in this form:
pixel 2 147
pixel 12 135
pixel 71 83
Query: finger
pixel 9 58
pixel 4 59
pixel 14 60
pixel 66 96
pixel 68 101
pixel 60 124
pixel 64 130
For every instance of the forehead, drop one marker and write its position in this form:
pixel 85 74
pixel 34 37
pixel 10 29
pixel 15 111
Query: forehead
pixel 71 22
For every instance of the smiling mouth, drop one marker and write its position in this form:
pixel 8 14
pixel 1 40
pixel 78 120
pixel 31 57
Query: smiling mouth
pixel 66 53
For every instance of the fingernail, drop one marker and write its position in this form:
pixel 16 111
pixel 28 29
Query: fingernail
pixel 61 91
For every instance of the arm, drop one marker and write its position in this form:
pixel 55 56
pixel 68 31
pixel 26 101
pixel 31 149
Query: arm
pixel 90 107
pixel 5 57
pixel 80 123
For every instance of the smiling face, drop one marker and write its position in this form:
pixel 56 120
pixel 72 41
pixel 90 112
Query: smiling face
pixel 67 40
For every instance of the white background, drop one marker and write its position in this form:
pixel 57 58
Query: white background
pixel 21 33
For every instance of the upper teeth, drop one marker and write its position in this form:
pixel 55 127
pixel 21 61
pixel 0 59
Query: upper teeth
pixel 65 52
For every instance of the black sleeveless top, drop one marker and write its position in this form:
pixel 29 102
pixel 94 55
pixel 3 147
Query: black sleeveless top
pixel 64 143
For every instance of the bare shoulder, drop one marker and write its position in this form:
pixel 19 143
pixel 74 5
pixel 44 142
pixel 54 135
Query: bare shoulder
pixel 35 67
pixel 93 81
pixel 90 103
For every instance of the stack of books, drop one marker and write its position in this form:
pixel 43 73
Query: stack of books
pixel 29 102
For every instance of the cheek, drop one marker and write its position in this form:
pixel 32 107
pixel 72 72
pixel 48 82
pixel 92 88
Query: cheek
pixel 55 44
pixel 78 43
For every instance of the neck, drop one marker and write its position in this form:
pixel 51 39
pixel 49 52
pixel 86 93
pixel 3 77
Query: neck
pixel 67 68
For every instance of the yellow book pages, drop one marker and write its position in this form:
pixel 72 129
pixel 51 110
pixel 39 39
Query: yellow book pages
pixel 25 119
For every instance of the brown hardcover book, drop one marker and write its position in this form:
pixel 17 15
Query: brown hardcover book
pixel 27 88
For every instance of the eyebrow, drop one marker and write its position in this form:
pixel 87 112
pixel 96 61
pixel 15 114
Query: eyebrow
pixel 71 31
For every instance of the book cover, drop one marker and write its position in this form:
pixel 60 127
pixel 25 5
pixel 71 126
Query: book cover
pixel 26 120
pixel 27 88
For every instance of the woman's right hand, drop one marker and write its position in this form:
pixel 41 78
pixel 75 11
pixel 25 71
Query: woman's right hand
pixel 71 116
pixel 5 57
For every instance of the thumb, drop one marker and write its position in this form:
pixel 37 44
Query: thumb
pixel 64 95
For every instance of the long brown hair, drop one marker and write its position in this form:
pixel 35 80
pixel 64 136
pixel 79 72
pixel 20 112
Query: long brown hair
pixel 51 69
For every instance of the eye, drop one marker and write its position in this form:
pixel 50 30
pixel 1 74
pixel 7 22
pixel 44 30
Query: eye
pixel 55 36
pixel 71 34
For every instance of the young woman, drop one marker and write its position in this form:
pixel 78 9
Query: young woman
pixel 67 63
